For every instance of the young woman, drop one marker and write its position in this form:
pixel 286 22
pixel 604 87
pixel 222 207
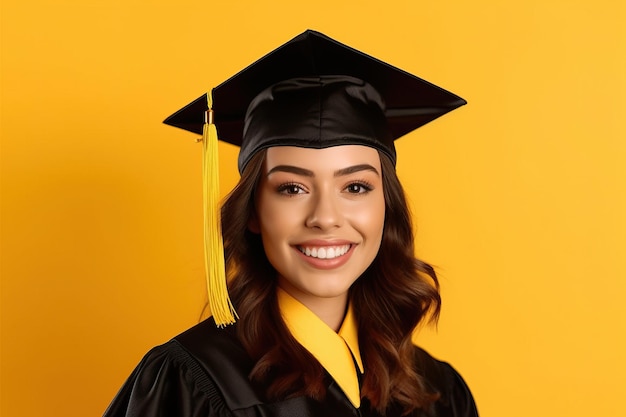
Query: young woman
pixel 318 251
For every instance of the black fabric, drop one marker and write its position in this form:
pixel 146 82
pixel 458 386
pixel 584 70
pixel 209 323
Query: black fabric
pixel 203 373
pixel 316 112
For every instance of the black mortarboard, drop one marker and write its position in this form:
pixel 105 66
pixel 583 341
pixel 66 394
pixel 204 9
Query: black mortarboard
pixel 311 92
pixel 320 73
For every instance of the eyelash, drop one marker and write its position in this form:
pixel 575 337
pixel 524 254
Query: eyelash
pixel 286 188
pixel 364 187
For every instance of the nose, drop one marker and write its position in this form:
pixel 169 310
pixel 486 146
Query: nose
pixel 325 211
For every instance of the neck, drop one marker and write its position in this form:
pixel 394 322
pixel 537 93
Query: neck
pixel 331 310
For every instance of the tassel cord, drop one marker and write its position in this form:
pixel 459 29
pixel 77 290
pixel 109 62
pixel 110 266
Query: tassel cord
pixel 221 307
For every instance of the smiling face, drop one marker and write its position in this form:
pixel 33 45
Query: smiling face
pixel 320 213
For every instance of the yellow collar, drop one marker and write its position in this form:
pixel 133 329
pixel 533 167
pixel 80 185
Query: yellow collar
pixel 335 351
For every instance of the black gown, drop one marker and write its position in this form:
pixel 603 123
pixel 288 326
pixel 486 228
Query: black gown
pixel 203 373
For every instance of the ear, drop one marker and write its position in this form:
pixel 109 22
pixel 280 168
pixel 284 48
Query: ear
pixel 253 224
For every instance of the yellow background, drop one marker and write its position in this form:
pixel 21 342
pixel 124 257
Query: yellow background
pixel 519 197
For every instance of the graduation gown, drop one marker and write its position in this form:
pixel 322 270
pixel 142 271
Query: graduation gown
pixel 204 373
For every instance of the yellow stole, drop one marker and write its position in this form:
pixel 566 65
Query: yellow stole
pixel 335 351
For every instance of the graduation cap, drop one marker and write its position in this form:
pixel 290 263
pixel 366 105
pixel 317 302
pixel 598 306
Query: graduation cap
pixel 311 92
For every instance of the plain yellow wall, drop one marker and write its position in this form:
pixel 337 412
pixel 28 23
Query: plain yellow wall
pixel 519 197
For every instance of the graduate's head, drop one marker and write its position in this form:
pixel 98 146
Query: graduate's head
pixel 320 215
pixel 304 106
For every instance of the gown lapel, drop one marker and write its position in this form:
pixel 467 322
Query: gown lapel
pixel 338 352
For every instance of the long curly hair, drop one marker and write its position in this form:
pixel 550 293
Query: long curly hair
pixel 391 298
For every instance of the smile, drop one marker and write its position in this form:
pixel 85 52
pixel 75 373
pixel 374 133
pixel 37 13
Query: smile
pixel 326 252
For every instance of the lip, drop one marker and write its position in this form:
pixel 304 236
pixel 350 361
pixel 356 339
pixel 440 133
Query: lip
pixel 322 263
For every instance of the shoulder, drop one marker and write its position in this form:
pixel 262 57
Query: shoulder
pixel 219 354
pixel 203 370
pixel 165 381
pixel 205 339
pixel 455 396
pixel 198 351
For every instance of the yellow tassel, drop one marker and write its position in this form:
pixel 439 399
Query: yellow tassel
pixel 219 301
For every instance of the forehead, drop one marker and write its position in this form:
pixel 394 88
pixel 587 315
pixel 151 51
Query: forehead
pixel 325 159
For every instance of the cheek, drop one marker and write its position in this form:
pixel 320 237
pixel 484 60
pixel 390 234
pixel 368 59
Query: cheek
pixel 275 222
pixel 370 219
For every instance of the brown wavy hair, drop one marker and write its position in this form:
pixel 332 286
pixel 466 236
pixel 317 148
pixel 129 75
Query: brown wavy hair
pixel 393 296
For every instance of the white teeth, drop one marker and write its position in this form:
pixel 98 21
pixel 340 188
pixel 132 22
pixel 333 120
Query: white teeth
pixel 328 252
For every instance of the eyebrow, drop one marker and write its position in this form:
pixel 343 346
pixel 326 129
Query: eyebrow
pixel 308 173
pixel 356 168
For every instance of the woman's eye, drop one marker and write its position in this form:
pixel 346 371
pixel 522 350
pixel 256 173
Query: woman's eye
pixel 358 188
pixel 290 189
